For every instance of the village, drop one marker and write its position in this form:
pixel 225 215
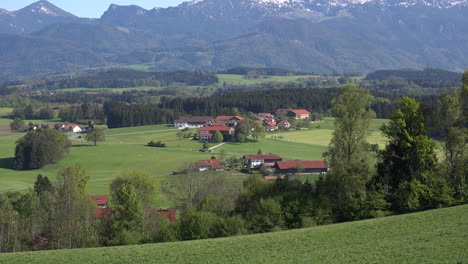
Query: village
pixel 266 164
pixel 270 166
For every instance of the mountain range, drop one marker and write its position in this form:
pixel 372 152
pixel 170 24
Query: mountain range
pixel 302 35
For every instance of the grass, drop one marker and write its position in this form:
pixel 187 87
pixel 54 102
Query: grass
pixel 125 150
pixel 437 236
pixel 240 80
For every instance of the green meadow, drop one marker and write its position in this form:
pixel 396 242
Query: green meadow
pixel 125 150
pixel 320 134
pixel 240 80
pixel 437 236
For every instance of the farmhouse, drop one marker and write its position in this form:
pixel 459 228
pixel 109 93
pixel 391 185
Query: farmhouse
pixel 229 120
pixel 301 166
pixel 263 116
pixel 73 128
pixel 193 122
pixel 104 212
pixel 210 165
pixel 206 133
pixel 102 201
pixel 253 161
pixel 293 113
pixel 284 124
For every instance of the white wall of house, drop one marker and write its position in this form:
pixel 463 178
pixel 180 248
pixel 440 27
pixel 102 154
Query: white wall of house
pixel 254 163
pixel 77 129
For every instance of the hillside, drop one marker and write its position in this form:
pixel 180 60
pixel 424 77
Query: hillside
pixel 300 35
pixel 437 236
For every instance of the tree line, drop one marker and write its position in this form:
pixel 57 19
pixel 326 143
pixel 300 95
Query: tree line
pixel 125 79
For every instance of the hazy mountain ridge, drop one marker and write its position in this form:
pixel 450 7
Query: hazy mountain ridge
pixel 304 35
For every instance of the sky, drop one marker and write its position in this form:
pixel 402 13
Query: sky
pixel 89 8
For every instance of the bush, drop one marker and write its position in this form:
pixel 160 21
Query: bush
pixel 39 148
pixel 158 144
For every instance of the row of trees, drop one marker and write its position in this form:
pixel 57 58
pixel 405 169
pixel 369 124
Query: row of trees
pixel 31 112
pixel 124 79
pixel 74 113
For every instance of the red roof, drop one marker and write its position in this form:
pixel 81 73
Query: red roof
pixel 212 163
pixel 100 199
pixel 263 157
pixel 300 112
pixel 169 214
pixel 265 114
pixel 308 164
pixel 225 118
pixel 216 128
pixel 101 213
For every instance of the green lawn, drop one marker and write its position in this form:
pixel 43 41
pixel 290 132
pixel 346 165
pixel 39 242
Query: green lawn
pixel 438 236
pixel 240 80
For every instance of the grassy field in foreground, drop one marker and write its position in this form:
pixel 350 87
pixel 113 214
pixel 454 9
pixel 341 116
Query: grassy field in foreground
pixel 437 236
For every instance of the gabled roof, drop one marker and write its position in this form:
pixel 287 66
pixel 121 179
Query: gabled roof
pixel 226 118
pixel 194 119
pixel 307 164
pixel 263 157
pixel 222 128
pixel 300 111
pixel 100 199
pixel 264 114
pixel 212 163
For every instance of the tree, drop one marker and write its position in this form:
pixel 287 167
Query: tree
pixel 42 185
pixel 96 135
pixel 406 166
pixel 217 137
pixel 260 152
pixel 128 210
pixel 464 97
pixel 73 225
pixel 258 130
pixel 17 124
pixel 39 148
pixel 450 124
pixel 146 187
pixel 348 157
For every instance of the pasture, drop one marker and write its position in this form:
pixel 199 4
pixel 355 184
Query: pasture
pixel 437 236
pixel 240 80
pixel 125 150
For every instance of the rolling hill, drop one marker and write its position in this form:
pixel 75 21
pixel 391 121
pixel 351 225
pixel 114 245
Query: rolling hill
pixel 302 35
pixel 437 236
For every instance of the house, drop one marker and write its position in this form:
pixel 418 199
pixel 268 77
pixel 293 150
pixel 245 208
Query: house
pixel 284 124
pixel 263 116
pixel 206 133
pixel 193 122
pixel 71 128
pixel 169 214
pixel 301 114
pixel 210 165
pixel 229 120
pixel 293 113
pixel 270 124
pixel 102 201
pixel 269 160
pixel 301 166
